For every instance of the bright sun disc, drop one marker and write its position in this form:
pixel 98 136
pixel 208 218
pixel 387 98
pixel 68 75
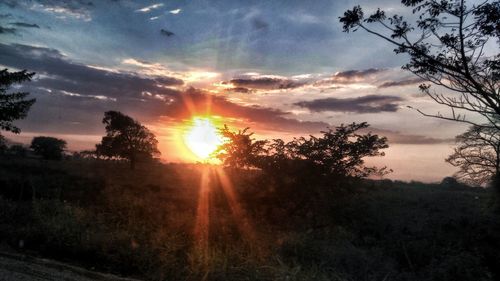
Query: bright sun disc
pixel 202 137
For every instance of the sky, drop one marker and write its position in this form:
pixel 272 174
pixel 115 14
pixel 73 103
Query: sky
pixel 283 68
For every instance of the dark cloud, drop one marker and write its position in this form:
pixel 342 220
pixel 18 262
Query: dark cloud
pixel 242 90
pixel 7 30
pixel 401 83
pixel 5 16
pixel 166 32
pixel 364 104
pixel 349 76
pixel 260 24
pixel 24 24
pixel 62 74
pixel 265 83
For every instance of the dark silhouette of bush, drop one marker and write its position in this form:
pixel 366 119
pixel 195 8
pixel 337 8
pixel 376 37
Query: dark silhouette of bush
pixel 127 139
pixel 17 150
pixel 48 148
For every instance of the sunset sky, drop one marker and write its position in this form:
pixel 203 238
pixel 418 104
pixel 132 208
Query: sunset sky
pixel 283 68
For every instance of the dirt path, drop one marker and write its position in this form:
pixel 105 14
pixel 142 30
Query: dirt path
pixel 14 267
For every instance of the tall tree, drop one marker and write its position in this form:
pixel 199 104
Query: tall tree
pixel 48 147
pixel 447 47
pixel 477 156
pixel 126 138
pixel 13 106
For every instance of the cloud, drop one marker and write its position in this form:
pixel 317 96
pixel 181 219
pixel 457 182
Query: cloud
pixel 401 83
pixel 175 12
pixel 7 30
pixel 79 93
pixel 59 73
pixel 266 83
pixel 349 76
pixel 364 104
pixel 260 24
pixel 198 102
pixel 148 9
pixel 167 33
pixel 24 24
pixel 77 9
pixel 242 90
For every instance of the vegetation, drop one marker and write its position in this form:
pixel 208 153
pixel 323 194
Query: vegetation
pixel 126 138
pixel 477 156
pixel 13 106
pixel 300 210
pixel 142 223
pixel 48 148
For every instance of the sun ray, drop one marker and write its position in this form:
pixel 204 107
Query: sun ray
pixel 202 224
pixel 243 222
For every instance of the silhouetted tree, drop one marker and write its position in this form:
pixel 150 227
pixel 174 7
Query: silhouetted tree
pixel 13 106
pixel 477 156
pixel 126 138
pixel 446 46
pixel 48 147
pixel 239 149
pixel 341 152
pixel 3 144
pixel 305 173
pixel 338 152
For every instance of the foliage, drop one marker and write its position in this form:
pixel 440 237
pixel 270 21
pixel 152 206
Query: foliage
pixel 126 138
pixel 239 150
pixel 338 153
pixel 446 46
pixel 477 156
pixel 48 147
pixel 13 106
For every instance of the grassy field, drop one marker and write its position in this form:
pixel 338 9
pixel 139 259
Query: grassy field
pixel 198 222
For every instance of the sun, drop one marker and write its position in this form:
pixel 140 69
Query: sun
pixel 202 137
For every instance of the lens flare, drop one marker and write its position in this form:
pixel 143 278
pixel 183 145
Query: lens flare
pixel 202 137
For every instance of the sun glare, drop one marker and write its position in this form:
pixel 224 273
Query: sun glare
pixel 202 137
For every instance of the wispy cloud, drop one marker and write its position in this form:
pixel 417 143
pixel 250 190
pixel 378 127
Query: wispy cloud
pixel 24 24
pixel 175 12
pixel 406 82
pixel 148 9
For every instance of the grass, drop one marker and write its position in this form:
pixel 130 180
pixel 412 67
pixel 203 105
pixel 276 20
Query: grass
pixel 148 223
